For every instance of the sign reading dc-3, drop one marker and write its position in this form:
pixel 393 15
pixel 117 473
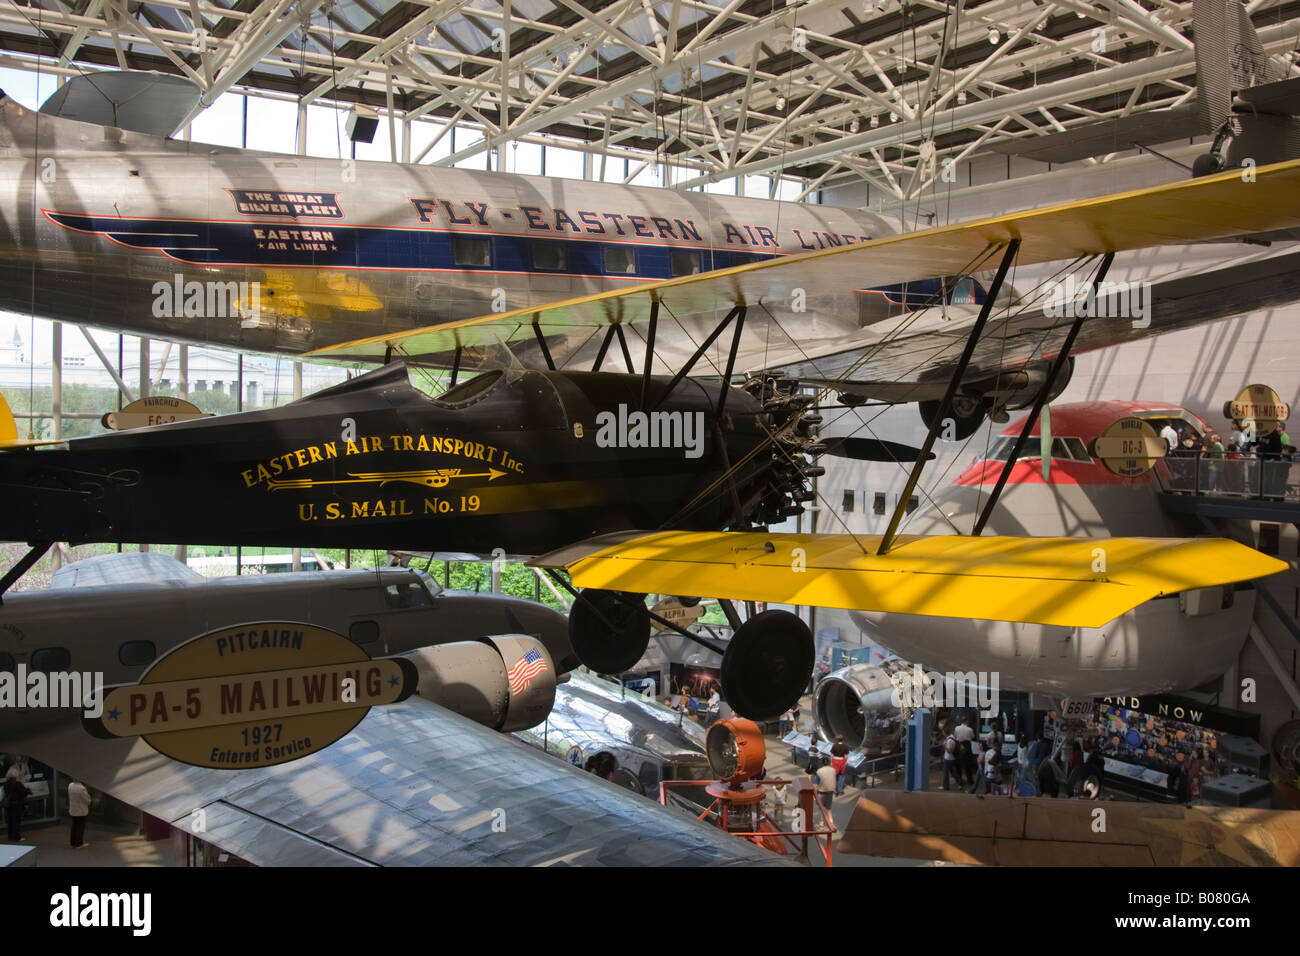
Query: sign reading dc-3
pixel 154 410
pixel 1129 447
pixel 1260 404
pixel 254 695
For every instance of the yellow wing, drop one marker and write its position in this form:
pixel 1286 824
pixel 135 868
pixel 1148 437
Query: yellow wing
pixel 1071 582
pixel 1213 207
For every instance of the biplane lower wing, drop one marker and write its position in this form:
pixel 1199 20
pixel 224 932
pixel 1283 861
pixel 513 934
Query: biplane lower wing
pixel 1069 582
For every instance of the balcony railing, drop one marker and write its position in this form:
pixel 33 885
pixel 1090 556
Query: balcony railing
pixel 1268 479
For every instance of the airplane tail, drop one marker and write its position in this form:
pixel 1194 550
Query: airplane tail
pixel 1229 57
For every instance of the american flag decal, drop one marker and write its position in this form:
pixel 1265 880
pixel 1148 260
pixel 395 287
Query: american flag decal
pixel 525 669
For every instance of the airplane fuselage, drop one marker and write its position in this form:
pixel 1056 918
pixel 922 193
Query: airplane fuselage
pixel 281 253
pixel 517 462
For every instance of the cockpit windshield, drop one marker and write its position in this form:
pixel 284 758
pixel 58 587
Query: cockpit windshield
pixel 475 387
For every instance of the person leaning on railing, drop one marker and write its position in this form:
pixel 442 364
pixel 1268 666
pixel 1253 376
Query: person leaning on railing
pixel 1215 453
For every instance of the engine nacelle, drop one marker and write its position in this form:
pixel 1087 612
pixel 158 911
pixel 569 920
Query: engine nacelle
pixel 859 704
pixel 506 682
pixel 980 397
pixel 1020 389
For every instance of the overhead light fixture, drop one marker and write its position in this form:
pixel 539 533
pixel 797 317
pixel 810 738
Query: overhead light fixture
pixel 994 36
pixel 361 124
pixel 875 120
pixel 893 117
pixel 855 125
pixel 961 97
pixel 780 103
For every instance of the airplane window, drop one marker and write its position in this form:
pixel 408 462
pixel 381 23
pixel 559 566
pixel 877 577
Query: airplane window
pixel 912 504
pixel 549 257
pixel 685 263
pixel 620 259
pixel 878 506
pixel 1063 449
pixel 51 659
pixel 407 594
pixel 137 653
pixel 467 390
pixel 430 585
pixel 363 632
pixel 847 507
pixel 963 293
pixel 472 252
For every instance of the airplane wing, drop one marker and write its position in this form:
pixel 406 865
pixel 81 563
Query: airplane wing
pixel 412 785
pixel 1069 582
pixel 1213 207
pixel 897 371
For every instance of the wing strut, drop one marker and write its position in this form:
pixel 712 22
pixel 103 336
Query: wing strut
pixel 731 363
pixel 26 561
pixel 1058 365
pixel 887 539
pixel 699 352
pixel 604 347
pixel 627 356
pixel 650 347
pixel 455 368
pixel 541 342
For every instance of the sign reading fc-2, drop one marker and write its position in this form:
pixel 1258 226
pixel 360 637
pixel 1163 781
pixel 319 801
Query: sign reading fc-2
pixel 515 460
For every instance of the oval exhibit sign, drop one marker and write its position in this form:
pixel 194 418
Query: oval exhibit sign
pixel 1128 447
pixel 671 609
pixel 155 410
pixel 254 695
pixel 1260 404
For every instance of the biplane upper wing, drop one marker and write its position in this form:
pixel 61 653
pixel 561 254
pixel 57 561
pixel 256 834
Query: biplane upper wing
pixel 1214 207
pixel 1070 582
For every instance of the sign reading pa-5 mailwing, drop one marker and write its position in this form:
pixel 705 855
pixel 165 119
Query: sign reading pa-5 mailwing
pixel 254 695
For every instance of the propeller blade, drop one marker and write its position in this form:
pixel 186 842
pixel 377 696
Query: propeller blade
pixel 871 449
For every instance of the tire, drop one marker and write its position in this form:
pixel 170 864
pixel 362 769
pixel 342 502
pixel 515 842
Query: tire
pixel 767 665
pixel 609 630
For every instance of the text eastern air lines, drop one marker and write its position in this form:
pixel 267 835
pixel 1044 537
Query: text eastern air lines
pixel 578 222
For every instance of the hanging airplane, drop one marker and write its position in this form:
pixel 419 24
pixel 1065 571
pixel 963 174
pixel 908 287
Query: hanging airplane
pixel 577 266
pixel 109 223
pixel 427 781
pixel 1058 486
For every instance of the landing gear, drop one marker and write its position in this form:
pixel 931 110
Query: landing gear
pixel 767 665
pixel 967 413
pixel 609 630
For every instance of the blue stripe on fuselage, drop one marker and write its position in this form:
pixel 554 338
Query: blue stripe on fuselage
pixel 326 245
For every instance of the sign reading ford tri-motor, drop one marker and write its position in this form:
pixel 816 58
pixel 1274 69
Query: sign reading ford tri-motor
pixel 254 695
pixel 1259 404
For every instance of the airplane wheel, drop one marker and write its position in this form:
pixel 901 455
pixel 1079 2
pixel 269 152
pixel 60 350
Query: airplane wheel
pixel 968 414
pixel 687 601
pixel 614 644
pixel 767 665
